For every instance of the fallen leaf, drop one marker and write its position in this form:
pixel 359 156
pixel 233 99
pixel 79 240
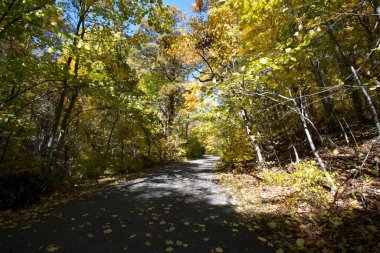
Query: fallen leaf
pixel 219 250
pixel 178 243
pixel 170 249
pixel 169 242
pixel 262 239
pixel 148 244
pixel 52 248
pixel 107 231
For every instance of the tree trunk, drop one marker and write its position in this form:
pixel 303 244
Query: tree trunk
pixel 296 154
pixel 344 131
pixel 51 143
pixel 5 149
pixel 325 95
pixel 251 136
pixel 368 99
pixel 109 139
pixel 301 113
pixel 344 66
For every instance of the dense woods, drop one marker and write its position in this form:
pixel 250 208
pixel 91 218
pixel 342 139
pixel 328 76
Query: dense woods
pixel 92 85
pixel 98 87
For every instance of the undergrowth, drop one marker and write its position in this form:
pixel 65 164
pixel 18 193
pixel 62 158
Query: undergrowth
pixel 293 209
pixel 306 183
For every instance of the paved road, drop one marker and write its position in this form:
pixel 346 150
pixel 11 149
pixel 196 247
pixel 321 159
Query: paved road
pixel 178 209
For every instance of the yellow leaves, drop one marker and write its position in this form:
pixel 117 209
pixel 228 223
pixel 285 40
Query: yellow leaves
pixel 84 45
pixel 272 225
pixel 300 243
pixel 52 248
pixel 98 65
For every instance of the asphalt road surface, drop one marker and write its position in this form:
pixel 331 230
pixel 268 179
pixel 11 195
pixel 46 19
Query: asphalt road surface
pixel 178 209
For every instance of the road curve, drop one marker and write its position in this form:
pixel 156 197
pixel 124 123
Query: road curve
pixel 180 208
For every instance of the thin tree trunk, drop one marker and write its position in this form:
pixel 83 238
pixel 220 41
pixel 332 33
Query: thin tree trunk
pixel 49 144
pixel 122 152
pixel 251 136
pixel 296 154
pixel 344 131
pixel 368 99
pixel 301 112
pixel 109 139
pixel 6 145
pixel 325 95
pixel 344 66
pixel 351 133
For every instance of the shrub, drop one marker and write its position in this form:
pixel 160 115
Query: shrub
pixel 307 181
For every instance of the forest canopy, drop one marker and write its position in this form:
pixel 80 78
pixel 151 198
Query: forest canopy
pixel 92 87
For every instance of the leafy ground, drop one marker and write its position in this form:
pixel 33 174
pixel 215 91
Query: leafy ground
pixel 292 208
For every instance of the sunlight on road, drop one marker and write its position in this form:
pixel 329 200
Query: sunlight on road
pixel 194 181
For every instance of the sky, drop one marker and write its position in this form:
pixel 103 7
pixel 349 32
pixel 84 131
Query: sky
pixel 183 5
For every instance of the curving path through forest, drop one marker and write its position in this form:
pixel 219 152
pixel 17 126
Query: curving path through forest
pixel 178 209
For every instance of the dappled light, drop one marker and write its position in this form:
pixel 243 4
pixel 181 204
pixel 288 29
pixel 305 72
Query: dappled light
pixel 180 208
pixel 190 126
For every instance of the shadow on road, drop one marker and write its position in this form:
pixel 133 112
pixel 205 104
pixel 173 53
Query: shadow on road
pixel 178 209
